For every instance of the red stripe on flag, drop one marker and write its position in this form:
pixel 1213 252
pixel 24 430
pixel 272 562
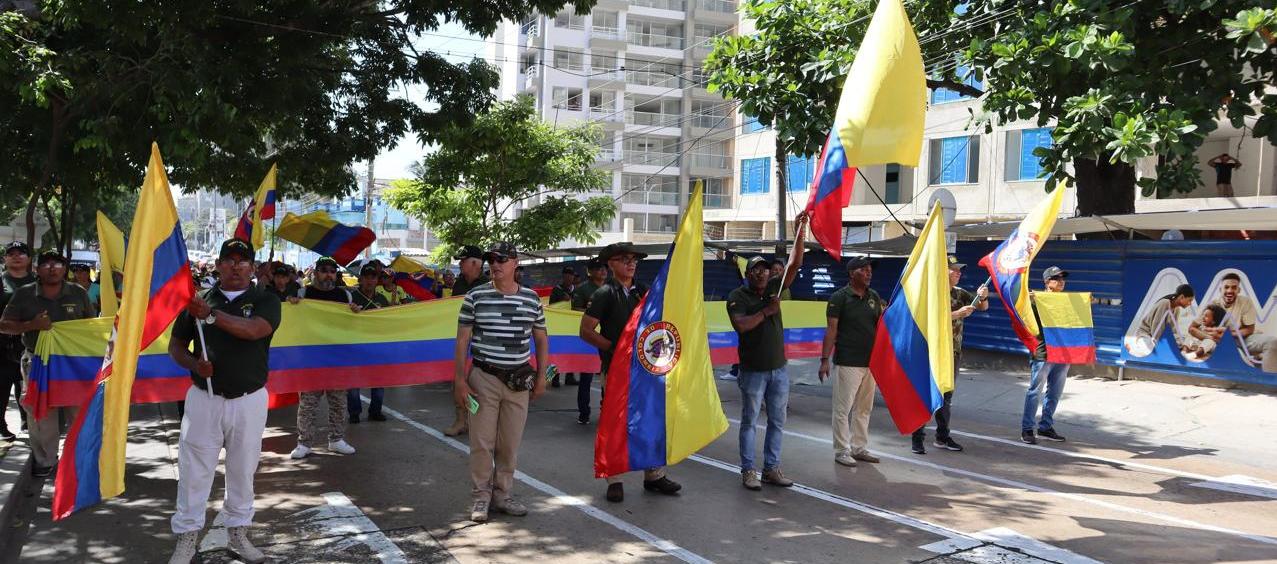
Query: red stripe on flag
pixel 611 442
pixel 1070 355
pixel 908 411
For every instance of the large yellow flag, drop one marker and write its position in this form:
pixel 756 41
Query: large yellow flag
pixel 884 101
pixel 111 256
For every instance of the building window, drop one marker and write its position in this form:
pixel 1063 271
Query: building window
pixel 751 125
pixel 567 98
pixel 1022 164
pixel 715 191
pixel 954 160
pixel 650 190
pixel 755 176
pixel 944 95
pixel 892 184
pixel 569 20
pixel 800 172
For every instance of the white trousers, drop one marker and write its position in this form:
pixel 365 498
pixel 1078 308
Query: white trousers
pixel 854 389
pixel 209 425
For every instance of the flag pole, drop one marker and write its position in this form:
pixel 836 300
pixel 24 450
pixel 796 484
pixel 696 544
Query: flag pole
pixel 208 382
pixel 977 298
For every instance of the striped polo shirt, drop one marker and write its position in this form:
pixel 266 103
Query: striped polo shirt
pixel 502 324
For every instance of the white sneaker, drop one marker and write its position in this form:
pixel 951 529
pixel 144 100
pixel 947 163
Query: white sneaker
pixel 845 459
pixel 187 546
pixel 341 447
pixel 237 541
pixel 302 451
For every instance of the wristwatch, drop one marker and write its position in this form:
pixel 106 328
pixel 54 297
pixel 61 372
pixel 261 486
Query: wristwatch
pixel 211 319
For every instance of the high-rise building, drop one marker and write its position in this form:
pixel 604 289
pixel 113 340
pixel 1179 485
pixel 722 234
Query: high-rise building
pixel 635 69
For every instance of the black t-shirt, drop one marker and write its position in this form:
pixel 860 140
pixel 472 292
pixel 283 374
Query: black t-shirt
pixel 289 291
pixel 240 366
pixel 763 347
pixel 561 293
pixel 337 294
pixel 461 287
pixel 72 302
pixel 13 343
pixel 612 305
pixel 581 297
pixel 857 324
pixel 1224 172
pixel 377 301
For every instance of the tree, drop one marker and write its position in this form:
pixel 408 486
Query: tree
pixel 226 89
pixel 467 190
pixel 1119 81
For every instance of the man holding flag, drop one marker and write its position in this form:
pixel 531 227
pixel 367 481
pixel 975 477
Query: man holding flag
pixel 238 320
pixel 1041 372
pixel 852 315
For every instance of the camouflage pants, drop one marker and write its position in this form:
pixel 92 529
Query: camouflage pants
pixel 308 412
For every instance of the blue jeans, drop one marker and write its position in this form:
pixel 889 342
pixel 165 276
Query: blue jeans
pixel 756 388
pixel 353 406
pixel 1053 375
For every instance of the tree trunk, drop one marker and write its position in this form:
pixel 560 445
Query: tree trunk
pixel 781 191
pixel 68 222
pixel 30 216
pixel 1104 188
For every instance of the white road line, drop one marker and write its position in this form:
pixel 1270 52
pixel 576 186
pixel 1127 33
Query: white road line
pixel 339 518
pixel 1040 489
pixel 1238 483
pixel 563 498
pixel 1004 537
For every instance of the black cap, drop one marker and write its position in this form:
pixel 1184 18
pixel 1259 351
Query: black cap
pixel 595 263
pixel 757 260
pixel 469 251
pixel 620 249
pixel 18 246
pixel 954 264
pixel 330 261
pixel 569 270
pixel 49 255
pixel 79 266
pixel 503 248
pixel 237 247
pixel 1054 271
pixel 369 269
pixel 854 263
pixel 385 273
pixel 282 269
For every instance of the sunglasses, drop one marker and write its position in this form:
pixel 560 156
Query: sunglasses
pixel 499 259
pixel 625 259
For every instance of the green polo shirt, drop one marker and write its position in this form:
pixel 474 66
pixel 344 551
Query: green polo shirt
pixel 584 291
pixel 857 324
pixel 762 348
pixel 461 287
pixel 239 366
pixel 72 302
pixel 611 305
pixel 377 301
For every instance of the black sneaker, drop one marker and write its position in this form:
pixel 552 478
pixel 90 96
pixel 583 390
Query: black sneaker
pixel 1051 435
pixel 663 485
pixel 354 417
pixel 554 382
pixel 1027 437
pixel 7 435
pixel 948 444
pixel 616 492
pixel 583 420
pixel 41 471
pixel 918 448
pixel 570 380
pixel 376 417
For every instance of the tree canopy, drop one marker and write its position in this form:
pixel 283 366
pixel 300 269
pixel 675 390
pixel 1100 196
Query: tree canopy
pixel 467 191
pixel 1119 80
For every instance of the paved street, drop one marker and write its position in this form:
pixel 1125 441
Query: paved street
pixel 1151 473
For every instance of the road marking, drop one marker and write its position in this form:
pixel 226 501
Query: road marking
pixel 1236 484
pixel 1004 537
pixel 1039 489
pixel 563 498
pixel 339 524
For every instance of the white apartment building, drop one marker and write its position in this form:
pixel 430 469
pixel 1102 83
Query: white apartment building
pixel 633 67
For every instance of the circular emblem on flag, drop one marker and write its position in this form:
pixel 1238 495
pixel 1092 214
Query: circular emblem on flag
pixel 659 347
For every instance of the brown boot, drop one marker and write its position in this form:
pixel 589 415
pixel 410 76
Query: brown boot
pixel 459 427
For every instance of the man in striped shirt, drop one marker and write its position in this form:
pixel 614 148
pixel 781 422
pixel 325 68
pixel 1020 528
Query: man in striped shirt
pixel 496 326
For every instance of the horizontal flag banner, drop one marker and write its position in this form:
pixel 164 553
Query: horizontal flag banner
pixel 1067 326
pixel 323 346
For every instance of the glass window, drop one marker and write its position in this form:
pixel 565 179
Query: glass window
pixel 751 124
pixel 944 95
pixel 800 171
pixel 755 176
pixel 954 160
pixel 1021 163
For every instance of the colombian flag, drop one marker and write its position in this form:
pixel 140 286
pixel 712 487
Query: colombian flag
pixel 324 235
pixel 424 287
pixel 1067 326
pixel 262 207
pixel 912 358
pixel 157 286
pixel 1009 264
pixel 661 404
pixel 111 246
pixel 879 120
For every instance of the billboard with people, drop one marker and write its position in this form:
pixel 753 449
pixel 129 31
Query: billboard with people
pixel 1213 318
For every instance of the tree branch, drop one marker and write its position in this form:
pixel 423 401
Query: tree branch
pixel 959 87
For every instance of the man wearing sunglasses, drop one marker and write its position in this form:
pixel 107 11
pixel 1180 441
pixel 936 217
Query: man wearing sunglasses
pixel 495 327
pixel 34 308
pixel 470 261
pixel 324 288
pixel 601 326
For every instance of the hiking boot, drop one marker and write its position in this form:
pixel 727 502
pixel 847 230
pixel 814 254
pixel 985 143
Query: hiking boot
pixel 458 427
pixel 187 546
pixel 479 511
pixel 1028 437
pixel 749 479
pixel 616 492
pixel 583 420
pixel 918 447
pixel 510 506
pixel 1051 435
pixel 948 443
pixel 237 541
pixel 866 457
pixel 776 478
pixel 341 447
pixel 302 451
pixel 354 418
pixel 662 485
pixel 845 459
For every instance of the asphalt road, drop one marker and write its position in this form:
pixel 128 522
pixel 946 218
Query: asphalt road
pixel 1151 473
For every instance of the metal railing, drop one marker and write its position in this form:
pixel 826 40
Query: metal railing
pixel 721 6
pixel 709 121
pixel 702 160
pixel 717 201
pixel 608 155
pixel 676 5
pixel 650 118
pixel 604 113
pixel 645 78
pixel 650 158
pixel 605 32
pixel 654 40
pixel 569 65
pixel 651 198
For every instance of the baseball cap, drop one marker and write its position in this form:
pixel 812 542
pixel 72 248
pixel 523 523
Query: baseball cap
pixel 620 249
pixel 755 261
pixel 281 269
pixel 594 263
pixel 18 246
pixel 369 269
pixel 954 264
pixel 859 262
pixel 469 251
pixel 49 255
pixel 79 266
pixel 569 270
pixel 329 261
pixel 1052 272
pixel 235 247
pixel 503 248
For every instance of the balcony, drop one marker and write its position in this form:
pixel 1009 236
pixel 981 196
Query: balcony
pixel 532 77
pixel 606 37
pixel 672 5
pixel 572 66
pixel 650 158
pixel 612 78
pixel 608 156
pixel 653 40
pixel 647 78
pixel 701 160
pixel 718 11
pixel 716 201
pixel 606 114
pixel 652 119
pixel 711 121
pixel 651 198
pixel 534 41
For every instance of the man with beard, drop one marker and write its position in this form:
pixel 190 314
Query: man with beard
pixel 1241 319
pixel 471 263
pixel 324 288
